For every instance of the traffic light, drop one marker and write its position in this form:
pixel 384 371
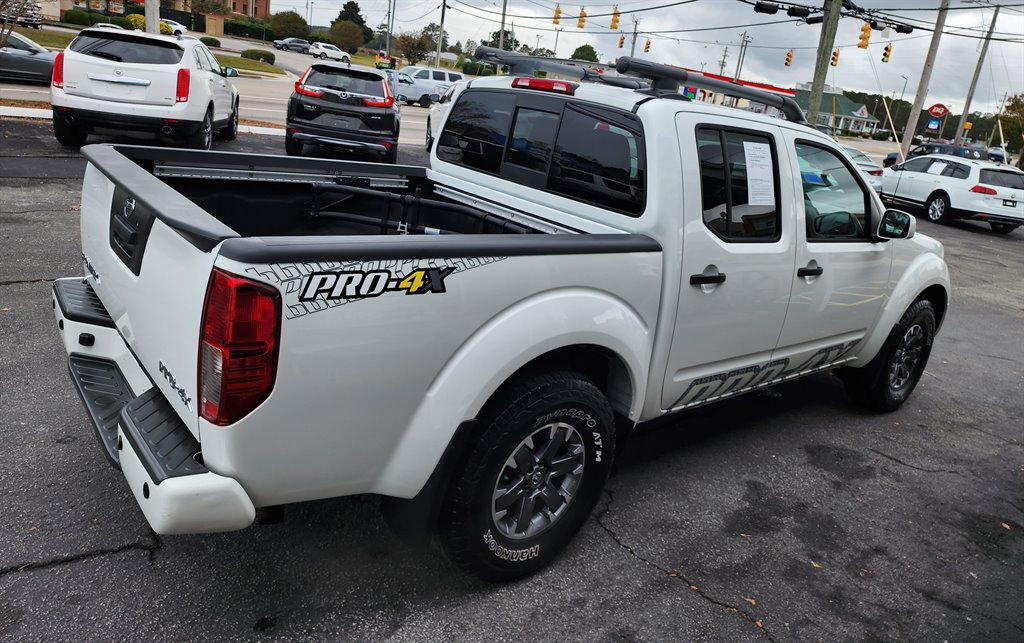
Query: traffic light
pixel 835 58
pixel 789 58
pixel 886 52
pixel 615 18
pixel 558 14
pixel 647 46
pixel 622 41
pixel 582 20
pixel 865 36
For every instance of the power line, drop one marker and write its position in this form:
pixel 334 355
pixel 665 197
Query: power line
pixel 589 15
pixel 421 17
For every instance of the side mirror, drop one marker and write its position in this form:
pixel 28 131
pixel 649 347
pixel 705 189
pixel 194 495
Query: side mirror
pixel 896 224
pixel 400 98
pixel 229 72
pixel 435 98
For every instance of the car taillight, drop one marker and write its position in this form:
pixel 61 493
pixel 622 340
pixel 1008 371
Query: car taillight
pixel 238 347
pixel 388 101
pixel 58 70
pixel 184 81
pixel 876 172
pixel 545 85
pixel 981 189
pixel 300 86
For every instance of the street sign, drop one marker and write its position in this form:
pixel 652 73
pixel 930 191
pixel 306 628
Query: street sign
pixel 933 124
pixel 938 110
pixel 968 125
pixel 690 92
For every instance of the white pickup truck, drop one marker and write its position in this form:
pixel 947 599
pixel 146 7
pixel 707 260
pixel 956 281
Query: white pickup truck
pixel 471 341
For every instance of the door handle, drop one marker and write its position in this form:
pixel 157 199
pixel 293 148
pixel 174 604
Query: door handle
pixel 706 280
pixel 809 272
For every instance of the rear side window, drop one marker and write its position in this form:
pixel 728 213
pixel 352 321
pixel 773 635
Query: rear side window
pixel 344 80
pixel 598 161
pixel 124 48
pixel 738 180
pixel 532 135
pixel 439 75
pixel 956 171
pixel 454 77
pixel 476 131
pixel 1003 179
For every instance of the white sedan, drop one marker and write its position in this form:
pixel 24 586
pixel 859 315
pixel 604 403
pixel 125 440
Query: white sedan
pixel 177 28
pixel 950 187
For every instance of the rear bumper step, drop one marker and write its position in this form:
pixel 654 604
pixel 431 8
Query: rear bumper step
pixel 337 142
pixel 142 434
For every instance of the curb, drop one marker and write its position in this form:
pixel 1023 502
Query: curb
pixel 45 114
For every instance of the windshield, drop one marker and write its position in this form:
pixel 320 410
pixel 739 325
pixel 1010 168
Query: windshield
pixel 125 48
pixel 346 80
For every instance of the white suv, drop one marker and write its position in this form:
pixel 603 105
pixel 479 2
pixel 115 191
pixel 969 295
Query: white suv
pixel 325 50
pixel 111 80
pixel 427 81
pixel 950 187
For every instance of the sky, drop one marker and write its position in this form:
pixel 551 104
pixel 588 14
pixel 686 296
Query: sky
pixel 717 24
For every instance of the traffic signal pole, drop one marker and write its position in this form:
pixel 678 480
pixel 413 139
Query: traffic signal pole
pixel 828 38
pixel 974 81
pixel 922 85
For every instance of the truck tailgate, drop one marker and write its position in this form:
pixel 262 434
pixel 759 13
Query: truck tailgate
pixel 150 270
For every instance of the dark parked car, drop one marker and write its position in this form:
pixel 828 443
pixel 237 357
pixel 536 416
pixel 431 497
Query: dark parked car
pixel 22 59
pixel 343 108
pixel 963 151
pixel 293 44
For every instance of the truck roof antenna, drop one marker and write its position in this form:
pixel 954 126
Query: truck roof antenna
pixel 666 78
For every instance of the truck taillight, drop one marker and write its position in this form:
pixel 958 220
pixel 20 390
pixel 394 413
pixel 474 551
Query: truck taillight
pixel 981 189
pixel 184 80
pixel 876 172
pixel 58 70
pixel 238 347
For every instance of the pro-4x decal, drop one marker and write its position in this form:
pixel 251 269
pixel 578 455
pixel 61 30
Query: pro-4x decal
pixel 357 284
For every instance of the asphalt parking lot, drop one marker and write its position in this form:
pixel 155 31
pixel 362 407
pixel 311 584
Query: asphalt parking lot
pixel 789 515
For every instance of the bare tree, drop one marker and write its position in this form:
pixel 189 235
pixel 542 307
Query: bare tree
pixel 10 10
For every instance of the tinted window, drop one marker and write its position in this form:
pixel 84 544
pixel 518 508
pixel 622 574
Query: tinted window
pixel 738 178
pixel 835 203
pixel 476 130
pixel 956 171
pixel 345 80
pixel 917 165
pixel 439 75
pixel 1002 178
pixel 127 49
pixel 532 136
pixel 422 74
pixel 455 76
pixel 599 159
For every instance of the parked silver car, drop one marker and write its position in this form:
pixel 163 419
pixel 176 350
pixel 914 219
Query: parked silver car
pixel 22 59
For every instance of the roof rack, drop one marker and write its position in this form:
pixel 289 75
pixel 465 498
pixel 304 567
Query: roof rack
pixel 526 65
pixel 668 79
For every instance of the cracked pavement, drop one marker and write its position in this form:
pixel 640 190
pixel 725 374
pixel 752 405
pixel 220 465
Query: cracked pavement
pixel 788 515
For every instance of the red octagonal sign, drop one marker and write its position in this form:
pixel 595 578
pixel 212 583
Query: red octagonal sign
pixel 938 110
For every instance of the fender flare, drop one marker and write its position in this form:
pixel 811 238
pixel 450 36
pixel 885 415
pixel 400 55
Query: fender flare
pixel 925 271
pixel 486 360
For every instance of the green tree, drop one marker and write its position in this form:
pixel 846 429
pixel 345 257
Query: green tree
pixel 210 6
pixel 511 44
pixel 470 48
pixel 414 47
pixel 350 11
pixel 585 52
pixel 431 31
pixel 456 48
pixel 289 24
pixel 380 37
pixel 544 53
pixel 347 35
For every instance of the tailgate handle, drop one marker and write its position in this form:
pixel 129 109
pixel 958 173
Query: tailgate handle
pixel 124 233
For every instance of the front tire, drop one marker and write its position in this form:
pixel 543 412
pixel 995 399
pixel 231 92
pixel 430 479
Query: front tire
pixel 532 477
pixel 68 134
pixel 938 209
pixel 425 100
pixel 888 380
pixel 1002 228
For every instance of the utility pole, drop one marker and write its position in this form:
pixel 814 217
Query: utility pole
pixel 743 54
pixel 632 48
pixel 558 32
pixel 829 26
pixel 974 81
pixel 501 34
pixel 721 63
pixel 922 85
pixel 440 36
pixel 387 28
pixel 152 16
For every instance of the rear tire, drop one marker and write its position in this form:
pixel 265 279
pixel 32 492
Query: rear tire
pixel 323 56
pixel 531 478
pixel 391 156
pixel 68 134
pixel 292 147
pixel 1002 228
pixel 938 209
pixel 304 51
pixel 887 381
pixel 203 138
